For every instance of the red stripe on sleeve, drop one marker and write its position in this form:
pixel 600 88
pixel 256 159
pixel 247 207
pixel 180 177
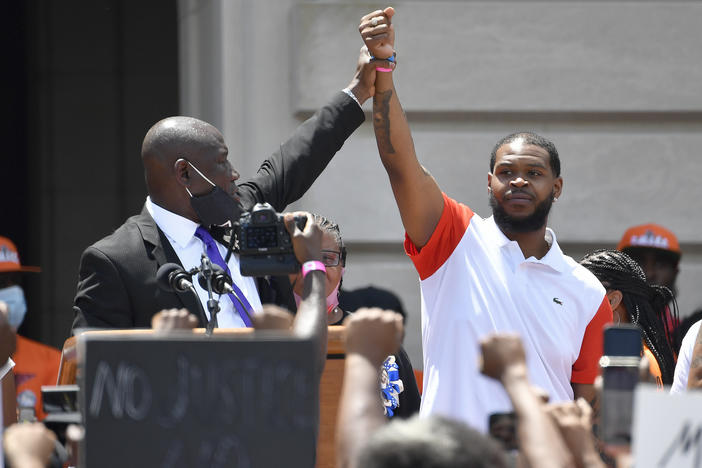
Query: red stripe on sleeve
pixel 448 233
pixel 586 367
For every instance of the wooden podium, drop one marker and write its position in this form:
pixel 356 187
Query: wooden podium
pixel 329 390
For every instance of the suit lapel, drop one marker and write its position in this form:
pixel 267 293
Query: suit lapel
pixel 161 250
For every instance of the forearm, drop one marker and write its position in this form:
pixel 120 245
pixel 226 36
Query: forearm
pixel 360 409
pixel 590 395
pixel 694 378
pixel 418 196
pixel 311 318
pixel 539 439
pixel 392 130
pixel 289 172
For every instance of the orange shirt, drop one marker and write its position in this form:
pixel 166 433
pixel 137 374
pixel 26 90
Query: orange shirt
pixel 653 367
pixel 36 365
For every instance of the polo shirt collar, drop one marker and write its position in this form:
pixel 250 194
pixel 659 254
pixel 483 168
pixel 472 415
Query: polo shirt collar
pixel 554 258
pixel 181 230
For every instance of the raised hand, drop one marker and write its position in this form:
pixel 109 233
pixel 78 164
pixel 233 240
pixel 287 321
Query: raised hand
pixel 501 352
pixel 378 33
pixel 173 319
pixel 307 242
pixel 363 83
pixel 273 317
pixel 574 421
pixel 29 444
pixel 374 333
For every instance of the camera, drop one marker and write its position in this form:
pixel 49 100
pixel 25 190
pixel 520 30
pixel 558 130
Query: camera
pixel 265 247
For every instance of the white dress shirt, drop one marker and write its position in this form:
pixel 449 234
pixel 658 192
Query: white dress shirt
pixel 180 232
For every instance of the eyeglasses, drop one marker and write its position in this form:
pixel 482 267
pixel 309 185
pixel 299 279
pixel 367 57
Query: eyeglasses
pixel 331 258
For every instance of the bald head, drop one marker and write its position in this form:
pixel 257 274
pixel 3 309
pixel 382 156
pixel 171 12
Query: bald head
pixel 176 137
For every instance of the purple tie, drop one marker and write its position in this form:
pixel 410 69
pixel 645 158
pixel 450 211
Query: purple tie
pixel 240 303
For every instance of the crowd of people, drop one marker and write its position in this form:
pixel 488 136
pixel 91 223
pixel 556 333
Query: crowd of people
pixel 512 327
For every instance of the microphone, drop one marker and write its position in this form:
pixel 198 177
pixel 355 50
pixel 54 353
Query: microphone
pixel 220 280
pixel 173 277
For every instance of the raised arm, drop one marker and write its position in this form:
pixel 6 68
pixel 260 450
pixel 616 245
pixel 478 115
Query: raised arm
pixel 574 421
pixel 371 335
pixel 417 194
pixel 539 440
pixel 290 172
pixel 311 318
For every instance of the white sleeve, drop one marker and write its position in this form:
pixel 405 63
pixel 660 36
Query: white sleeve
pixel 682 368
pixel 351 95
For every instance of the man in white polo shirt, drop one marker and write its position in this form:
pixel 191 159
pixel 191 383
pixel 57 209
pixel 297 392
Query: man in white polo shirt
pixel 505 273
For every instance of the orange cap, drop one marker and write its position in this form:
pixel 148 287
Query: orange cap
pixel 651 236
pixel 9 258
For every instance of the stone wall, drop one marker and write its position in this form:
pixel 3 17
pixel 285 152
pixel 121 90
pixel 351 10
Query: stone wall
pixel 615 84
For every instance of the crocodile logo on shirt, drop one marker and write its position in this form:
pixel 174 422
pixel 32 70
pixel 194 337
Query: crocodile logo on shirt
pixel 558 301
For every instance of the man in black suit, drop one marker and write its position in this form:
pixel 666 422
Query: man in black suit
pixel 191 182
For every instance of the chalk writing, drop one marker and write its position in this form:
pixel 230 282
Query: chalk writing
pixel 185 402
pixel 687 440
pixel 123 393
pixel 224 451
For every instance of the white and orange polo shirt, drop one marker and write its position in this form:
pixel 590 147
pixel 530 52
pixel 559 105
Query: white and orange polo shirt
pixel 475 281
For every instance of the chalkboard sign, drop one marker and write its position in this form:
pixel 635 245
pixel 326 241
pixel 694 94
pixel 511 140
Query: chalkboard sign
pixel 667 428
pixel 196 401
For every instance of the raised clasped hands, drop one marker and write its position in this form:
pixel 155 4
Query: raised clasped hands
pixel 378 33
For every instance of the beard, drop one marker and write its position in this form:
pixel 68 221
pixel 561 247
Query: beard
pixel 533 222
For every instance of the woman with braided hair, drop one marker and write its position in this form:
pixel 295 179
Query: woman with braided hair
pixel 634 300
pixel 399 391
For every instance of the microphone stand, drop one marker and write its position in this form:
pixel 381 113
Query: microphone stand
pixel 212 304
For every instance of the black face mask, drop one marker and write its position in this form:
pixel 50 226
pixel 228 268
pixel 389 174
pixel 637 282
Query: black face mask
pixel 216 207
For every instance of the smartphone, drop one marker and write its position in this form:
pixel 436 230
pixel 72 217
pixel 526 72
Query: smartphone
pixel 620 375
pixel 503 428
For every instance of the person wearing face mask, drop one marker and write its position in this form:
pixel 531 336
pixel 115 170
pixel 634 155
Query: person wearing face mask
pixel 193 191
pixel 398 386
pixel 36 364
pixel 334 259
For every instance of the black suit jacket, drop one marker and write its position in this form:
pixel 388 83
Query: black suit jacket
pixel 117 277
